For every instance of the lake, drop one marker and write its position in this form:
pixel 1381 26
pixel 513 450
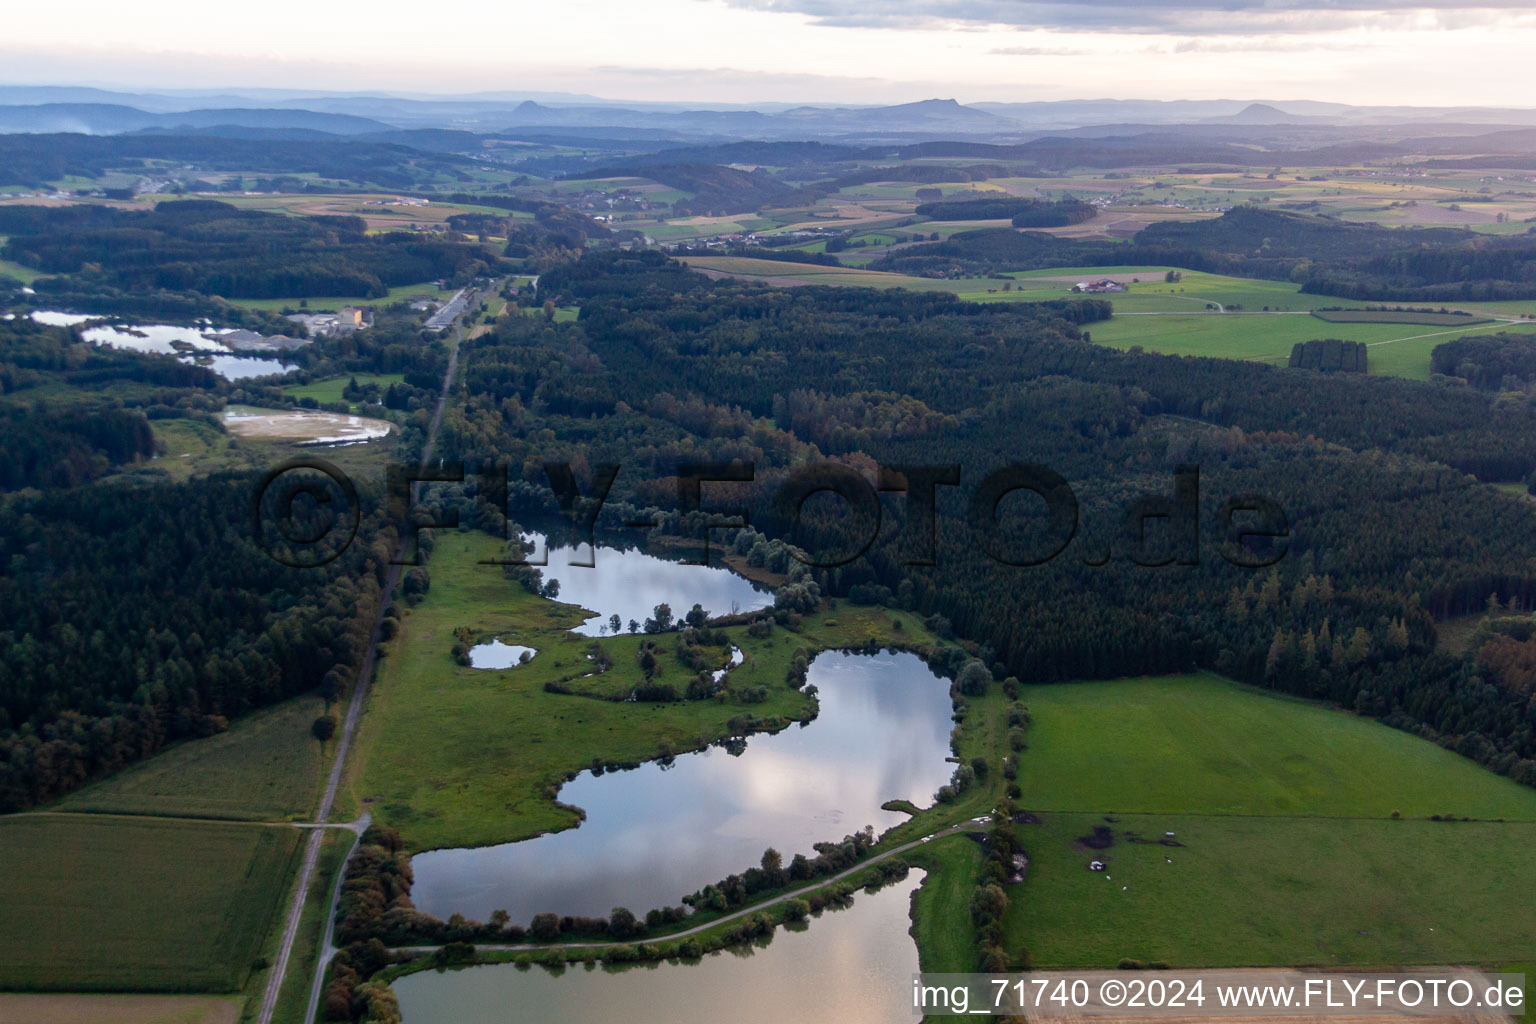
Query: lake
pixel 661 831
pixel 854 966
pixel 188 343
pixel 631 584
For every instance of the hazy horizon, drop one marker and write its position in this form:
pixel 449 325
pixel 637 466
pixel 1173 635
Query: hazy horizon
pixel 1361 52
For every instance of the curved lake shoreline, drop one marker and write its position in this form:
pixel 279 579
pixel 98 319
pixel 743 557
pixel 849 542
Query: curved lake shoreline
pixel 658 832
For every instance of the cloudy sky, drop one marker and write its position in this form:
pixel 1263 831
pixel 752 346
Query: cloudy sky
pixel 855 51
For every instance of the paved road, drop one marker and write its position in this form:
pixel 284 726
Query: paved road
pixel 965 826
pixel 348 729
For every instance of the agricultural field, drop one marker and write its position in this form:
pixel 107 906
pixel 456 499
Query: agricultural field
pixel 1273 803
pixel 457 756
pixel 267 767
pixel 95 903
pixel 29 1008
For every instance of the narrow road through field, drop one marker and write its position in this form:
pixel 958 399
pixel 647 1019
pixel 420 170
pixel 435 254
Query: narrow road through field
pixel 338 766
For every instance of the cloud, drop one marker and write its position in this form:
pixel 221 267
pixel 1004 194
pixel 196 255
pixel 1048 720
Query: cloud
pixel 1176 17
pixel 1041 51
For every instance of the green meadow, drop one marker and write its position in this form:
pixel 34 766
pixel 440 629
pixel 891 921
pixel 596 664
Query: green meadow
pixel 1399 350
pixel 459 756
pixel 1303 835
pixel 1276 891
pixel 1198 744
pixel 330 389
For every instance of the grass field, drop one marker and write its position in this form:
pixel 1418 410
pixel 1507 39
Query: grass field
pixel 26 275
pixel 1148 292
pixel 1290 852
pixel 1392 316
pixel 456 756
pixel 29 1008
pixel 329 390
pixel 1272 891
pixel 1201 745
pixel 98 903
pixel 267 767
pixel 1397 350
pixel 331 303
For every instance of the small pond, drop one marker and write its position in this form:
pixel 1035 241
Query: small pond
pixel 495 654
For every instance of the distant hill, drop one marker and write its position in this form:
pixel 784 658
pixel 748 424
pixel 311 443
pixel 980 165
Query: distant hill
pixel 714 188
pixel 111 119
pixel 1263 113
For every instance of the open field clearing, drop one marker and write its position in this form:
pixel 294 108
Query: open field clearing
pixel 303 425
pixel 1200 314
pixel 25 1008
pixel 458 756
pixel 8 268
pixel 1275 891
pixel 193 447
pixel 267 767
pixel 1148 292
pixel 785 274
pixel 1199 744
pixel 97 903
pixel 1392 316
pixel 331 303
pixel 1285 849
pixel 1398 350
pixel 330 389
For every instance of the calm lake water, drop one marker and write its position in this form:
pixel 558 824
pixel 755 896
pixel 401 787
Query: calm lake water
pixel 167 339
pixel 632 583
pixel 655 834
pixel 495 654
pixel 853 966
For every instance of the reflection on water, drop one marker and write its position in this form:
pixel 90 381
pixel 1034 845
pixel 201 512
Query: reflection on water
pixel 630 584
pixel 655 834
pixel 853 966
pixel 188 343
pixel 162 339
pixel 53 319
pixel 495 654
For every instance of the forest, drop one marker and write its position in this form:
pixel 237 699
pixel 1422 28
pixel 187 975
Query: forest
pixel 30 160
pixel 1371 474
pixel 214 248
pixel 1493 362
pixel 136 612
pixel 139 615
